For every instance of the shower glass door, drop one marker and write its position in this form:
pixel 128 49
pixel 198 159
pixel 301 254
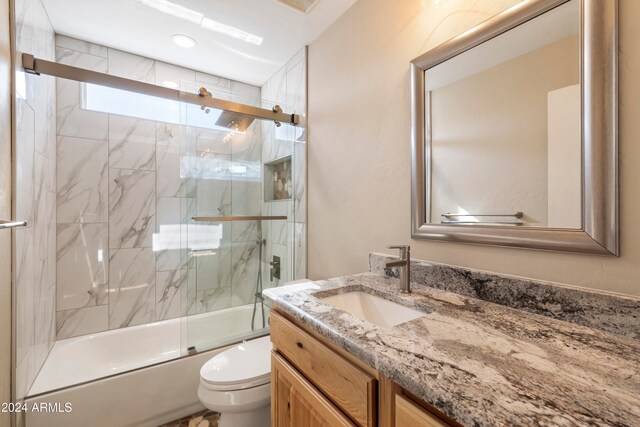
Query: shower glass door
pixel 238 180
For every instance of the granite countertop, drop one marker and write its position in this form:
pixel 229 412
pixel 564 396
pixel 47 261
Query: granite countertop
pixel 481 363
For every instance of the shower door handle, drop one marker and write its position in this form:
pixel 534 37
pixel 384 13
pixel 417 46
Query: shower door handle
pixel 4 224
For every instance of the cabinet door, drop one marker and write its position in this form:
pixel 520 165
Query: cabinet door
pixel 352 390
pixel 408 414
pixel 295 402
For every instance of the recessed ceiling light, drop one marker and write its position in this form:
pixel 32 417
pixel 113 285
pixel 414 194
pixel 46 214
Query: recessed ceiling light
pixel 183 41
pixel 169 83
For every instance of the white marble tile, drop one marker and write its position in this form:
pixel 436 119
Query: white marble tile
pixel 211 267
pixel 247 187
pixel 50 237
pixel 296 99
pixel 300 182
pixel 183 77
pixel 51 118
pixel 214 184
pixel 213 141
pixel 188 300
pixel 277 142
pixel 213 299
pixel 82 180
pixel 83 321
pixel 45 321
pixel 131 208
pixel 169 288
pixel 132 280
pixel 35 36
pixel 131 66
pixel 44 106
pixel 219 85
pixel 44 36
pixel 24 30
pixel 83 265
pixel 189 160
pixel 245 93
pixel 25 309
pixel 281 231
pixel 169 238
pixel 300 251
pixel 277 88
pixel 44 220
pixel 24 162
pixel 132 143
pixel 245 263
pixel 189 232
pixel 246 197
pixel 210 253
pixel 170 182
pixel 78 58
pixel 81 46
pixel 72 120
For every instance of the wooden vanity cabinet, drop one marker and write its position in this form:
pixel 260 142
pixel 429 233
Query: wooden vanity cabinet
pixel 295 402
pixel 409 414
pixel 314 383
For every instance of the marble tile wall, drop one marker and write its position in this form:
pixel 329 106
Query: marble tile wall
pixel 127 251
pixel 35 160
pixel 287 239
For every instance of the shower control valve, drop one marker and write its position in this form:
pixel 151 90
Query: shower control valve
pixel 275 268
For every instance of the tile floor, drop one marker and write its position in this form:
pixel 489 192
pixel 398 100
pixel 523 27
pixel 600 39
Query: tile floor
pixel 204 418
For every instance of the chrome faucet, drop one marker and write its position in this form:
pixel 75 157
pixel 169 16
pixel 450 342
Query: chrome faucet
pixel 405 267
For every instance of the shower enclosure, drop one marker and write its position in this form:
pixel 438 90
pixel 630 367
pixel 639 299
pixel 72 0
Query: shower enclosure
pixel 168 217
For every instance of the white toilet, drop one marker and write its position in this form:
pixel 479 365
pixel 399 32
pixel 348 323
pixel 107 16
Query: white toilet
pixel 237 384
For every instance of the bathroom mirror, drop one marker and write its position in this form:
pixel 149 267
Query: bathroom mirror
pixel 514 131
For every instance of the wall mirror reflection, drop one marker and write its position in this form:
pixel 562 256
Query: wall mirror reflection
pixel 513 131
pixel 518 154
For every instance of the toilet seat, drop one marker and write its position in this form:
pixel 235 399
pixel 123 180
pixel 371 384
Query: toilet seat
pixel 241 367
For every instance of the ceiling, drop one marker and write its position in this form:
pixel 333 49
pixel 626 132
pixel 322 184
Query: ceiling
pixel 220 27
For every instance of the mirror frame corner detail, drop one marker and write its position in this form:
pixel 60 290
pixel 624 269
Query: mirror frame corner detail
pixel 599 233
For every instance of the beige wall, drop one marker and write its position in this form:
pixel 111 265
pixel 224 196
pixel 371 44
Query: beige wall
pixel 359 154
pixel 5 209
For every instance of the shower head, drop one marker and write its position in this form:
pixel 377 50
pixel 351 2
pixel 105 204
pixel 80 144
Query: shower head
pixel 234 121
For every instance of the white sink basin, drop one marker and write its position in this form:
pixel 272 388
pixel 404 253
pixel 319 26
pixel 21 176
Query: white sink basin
pixel 373 309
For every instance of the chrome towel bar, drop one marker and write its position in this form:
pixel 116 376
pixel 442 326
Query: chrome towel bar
pixel 518 214
pixel 481 222
pixel 236 218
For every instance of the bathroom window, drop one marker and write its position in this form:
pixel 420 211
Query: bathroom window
pixel 125 103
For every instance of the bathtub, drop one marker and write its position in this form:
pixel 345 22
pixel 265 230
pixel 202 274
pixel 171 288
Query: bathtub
pixel 136 376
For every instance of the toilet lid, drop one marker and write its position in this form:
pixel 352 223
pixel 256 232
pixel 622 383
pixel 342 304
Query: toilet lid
pixel 243 366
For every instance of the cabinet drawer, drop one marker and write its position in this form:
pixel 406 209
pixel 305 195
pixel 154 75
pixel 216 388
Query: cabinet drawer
pixel 350 389
pixel 408 414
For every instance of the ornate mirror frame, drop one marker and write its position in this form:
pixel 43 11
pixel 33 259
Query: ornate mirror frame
pixel 599 89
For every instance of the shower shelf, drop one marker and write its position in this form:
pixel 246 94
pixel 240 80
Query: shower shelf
pixel 237 218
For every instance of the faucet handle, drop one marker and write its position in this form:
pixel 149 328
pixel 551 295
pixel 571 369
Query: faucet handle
pixel 404 249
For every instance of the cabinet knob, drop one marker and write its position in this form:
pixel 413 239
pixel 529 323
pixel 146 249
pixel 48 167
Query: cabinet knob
pixel 299 344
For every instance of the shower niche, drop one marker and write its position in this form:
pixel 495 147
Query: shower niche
pixel 278 184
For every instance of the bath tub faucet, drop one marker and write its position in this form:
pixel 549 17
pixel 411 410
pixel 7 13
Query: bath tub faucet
pixel 405 267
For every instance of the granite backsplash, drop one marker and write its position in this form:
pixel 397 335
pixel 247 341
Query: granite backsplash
pixel 612 313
